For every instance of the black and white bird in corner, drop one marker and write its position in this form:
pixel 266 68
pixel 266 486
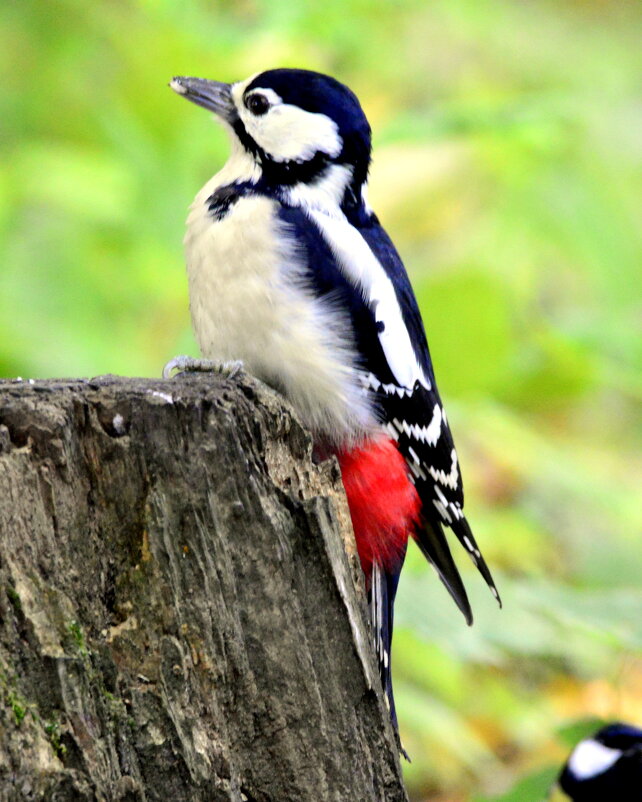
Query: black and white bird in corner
pixel 607 767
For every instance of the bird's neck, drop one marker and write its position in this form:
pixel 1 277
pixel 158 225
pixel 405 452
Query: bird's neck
pixel 337 190
pixel 327 193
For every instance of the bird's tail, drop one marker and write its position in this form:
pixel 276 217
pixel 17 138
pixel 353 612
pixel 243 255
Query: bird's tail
pixel 381 596
pixel 465 536
pixel 432 541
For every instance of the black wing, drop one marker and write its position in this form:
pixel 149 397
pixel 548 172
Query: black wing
pixel 415 418
pixel 417 421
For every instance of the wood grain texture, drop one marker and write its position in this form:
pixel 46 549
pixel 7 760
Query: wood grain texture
pixel 179 618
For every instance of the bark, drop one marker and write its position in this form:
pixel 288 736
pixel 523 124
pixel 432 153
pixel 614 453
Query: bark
pixel 179 616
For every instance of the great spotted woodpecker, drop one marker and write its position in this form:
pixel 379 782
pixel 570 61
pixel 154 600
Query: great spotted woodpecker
pixel 291 273
pixel 605 767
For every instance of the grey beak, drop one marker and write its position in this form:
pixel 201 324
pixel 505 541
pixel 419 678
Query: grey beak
pixel 211 95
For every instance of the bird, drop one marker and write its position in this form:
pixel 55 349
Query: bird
pixel 606 766
pixel 292 276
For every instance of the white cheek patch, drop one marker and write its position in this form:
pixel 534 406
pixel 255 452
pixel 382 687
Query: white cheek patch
pixel 286 132
pixel 590 758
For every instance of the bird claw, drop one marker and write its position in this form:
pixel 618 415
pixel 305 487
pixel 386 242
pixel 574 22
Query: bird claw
pixel 230 369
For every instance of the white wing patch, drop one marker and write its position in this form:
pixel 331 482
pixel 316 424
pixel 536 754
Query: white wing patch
pixel 413 437
pixel 448 479
pixel 441 503
pixel 426 434
pixel 363 269
pixel 419 467
pixel 590 758
pixel 370 381
pixel 394 388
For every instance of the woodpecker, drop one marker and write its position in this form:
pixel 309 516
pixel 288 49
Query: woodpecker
pixel 607 766
pixel 291 275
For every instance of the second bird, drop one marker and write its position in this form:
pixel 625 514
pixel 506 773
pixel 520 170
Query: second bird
pixel 291 273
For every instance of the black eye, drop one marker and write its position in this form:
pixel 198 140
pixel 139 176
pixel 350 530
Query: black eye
pixel 257 104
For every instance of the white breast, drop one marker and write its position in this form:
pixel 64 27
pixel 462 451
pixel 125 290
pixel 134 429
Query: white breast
pixel 248 301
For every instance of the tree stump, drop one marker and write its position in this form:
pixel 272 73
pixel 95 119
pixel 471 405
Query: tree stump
pixel 180 617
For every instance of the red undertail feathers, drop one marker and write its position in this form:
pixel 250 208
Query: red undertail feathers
pixel 384 505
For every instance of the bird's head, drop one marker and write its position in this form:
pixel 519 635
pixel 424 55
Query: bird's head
pixel 606 766
pixel 295 125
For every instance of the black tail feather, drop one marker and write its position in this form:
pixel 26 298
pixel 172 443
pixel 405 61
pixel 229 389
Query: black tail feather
pixel 465 536
pixel 431 540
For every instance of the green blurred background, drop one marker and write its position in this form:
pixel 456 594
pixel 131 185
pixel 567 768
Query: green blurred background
pixel 508 170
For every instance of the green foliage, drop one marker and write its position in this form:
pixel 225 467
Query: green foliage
pixel 78 638
pixel 507 169
pixel 18 707
pixel 535 787
pixel 11 697
pixel 13 597
pixel 53 731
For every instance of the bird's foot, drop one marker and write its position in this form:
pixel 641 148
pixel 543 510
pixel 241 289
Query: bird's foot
pixel 230 369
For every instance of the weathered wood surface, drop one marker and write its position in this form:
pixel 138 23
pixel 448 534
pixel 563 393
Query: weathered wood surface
pixel 178 616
